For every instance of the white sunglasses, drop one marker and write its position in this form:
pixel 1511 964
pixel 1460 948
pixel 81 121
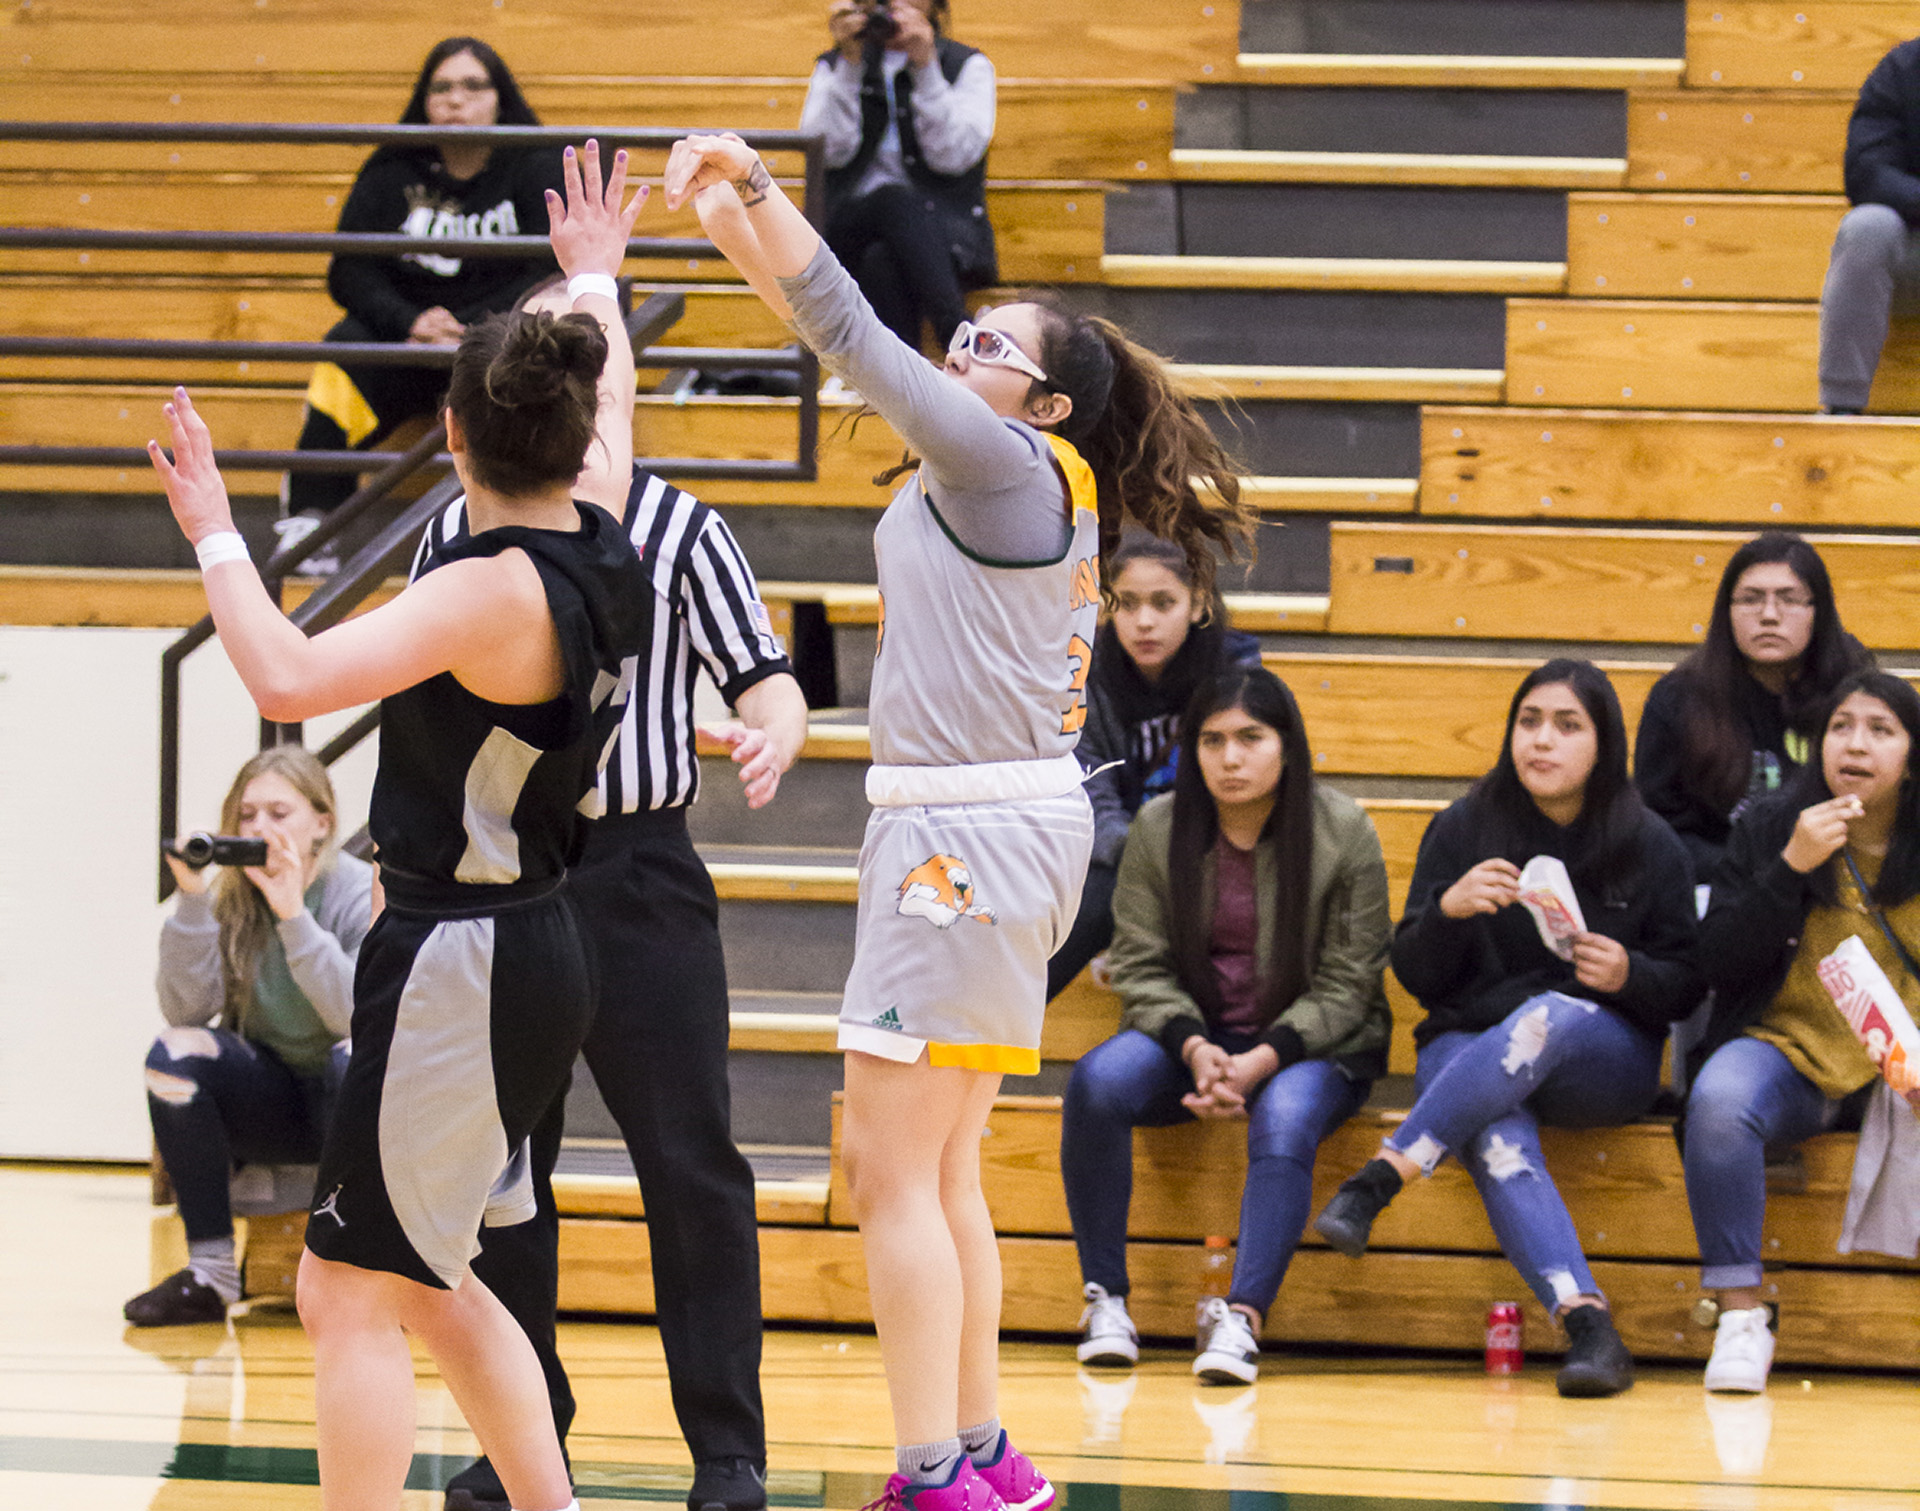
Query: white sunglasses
pixel 984 344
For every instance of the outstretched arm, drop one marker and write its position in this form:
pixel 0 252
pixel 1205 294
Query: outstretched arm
pixel 782 242
pixel 589 235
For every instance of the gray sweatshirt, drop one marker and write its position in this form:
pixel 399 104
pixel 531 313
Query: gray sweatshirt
pixel 312 953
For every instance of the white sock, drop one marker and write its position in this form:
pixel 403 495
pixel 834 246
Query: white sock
pixel 929 1463
pixel 982 1442
pixel 213 1265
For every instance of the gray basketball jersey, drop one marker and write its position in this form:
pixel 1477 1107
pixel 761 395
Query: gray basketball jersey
pixel 981 660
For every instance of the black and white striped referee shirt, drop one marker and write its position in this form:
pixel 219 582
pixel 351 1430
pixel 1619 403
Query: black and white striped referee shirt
pixel 707 612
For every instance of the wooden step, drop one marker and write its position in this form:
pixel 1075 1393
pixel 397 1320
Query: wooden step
pixel 1399 275
pixel 1443 71
pixel 1727 469
pixel 1661 354
pixel 1333 495
pixel 1792 44
pixel 788 1203
pixel 1496 581
pixel 1700 246
pixel 150 599
pixel 1237 166
pixel 1744 142
pixel 859 603
pixel 1359 385
pixel 1113 39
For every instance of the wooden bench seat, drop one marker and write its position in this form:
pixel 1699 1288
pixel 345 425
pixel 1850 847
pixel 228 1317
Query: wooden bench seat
pixel 1738 141
pixel 1792 44
pixel 1400 275
pixel 1700 246
pixel 1759 470
pixel 1109 39
pixel 1660 354
pixel 1426 1283
pixel 1623 585
pixel 1445 71
pixel 1242 166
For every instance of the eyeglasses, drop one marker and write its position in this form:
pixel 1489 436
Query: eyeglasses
pixel 1786 600
pixel 984 344
pixel 444 87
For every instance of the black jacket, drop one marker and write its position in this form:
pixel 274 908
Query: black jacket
pixel 960 199
pixel 1469 973
pixel 410 190
pixel 1883 135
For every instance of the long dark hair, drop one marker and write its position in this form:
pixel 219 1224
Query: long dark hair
pixel 1899 876
pixel 1196 828
pixel 1716 746
pixel 1153 456
pixel 1605 840
pixel 513 109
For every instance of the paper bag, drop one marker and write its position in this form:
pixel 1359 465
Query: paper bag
pixel 1875 1013
pixel 1546 891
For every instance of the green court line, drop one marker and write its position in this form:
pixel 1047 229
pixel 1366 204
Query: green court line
pixel 642 1482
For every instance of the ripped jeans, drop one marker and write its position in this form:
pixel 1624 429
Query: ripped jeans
pixel 1557 1060
pixel 218 1100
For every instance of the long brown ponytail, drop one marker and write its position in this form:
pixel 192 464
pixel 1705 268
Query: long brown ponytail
pixel 1155 461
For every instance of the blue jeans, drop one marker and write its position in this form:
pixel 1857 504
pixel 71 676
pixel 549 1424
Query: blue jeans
pixel 1557 1060
pixel 1747 1096
pixel 1131 1082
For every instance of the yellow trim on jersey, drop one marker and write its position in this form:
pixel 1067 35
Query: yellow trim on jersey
pixel 1079 484
pixel 1008 1059
pixel 331 392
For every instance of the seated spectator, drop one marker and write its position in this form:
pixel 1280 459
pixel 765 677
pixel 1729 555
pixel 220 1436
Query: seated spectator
pixel 1736 719
pixel 268 953
pixel 453 190
pixel 1873 264
pixel 907 115
pixel 1155 649
pixel 1835 855
pixel 1246 995
pixel 1519 1033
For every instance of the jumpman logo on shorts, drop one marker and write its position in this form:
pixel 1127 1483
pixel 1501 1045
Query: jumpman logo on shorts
pixel 330 1207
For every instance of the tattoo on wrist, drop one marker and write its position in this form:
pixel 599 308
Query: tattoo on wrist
pixel 752 186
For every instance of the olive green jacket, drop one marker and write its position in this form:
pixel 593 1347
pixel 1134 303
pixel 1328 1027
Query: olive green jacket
pixel 1343 1014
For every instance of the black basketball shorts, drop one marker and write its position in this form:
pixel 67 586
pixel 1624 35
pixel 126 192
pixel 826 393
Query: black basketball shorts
pixel 464 1031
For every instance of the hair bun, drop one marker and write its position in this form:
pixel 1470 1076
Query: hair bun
pixel 541 353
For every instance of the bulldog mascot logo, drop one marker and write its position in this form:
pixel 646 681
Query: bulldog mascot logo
pixel 940 890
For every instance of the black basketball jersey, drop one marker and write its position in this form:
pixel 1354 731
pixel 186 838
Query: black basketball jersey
pixel 477 803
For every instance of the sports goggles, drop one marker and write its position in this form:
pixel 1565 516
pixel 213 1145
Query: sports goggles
pixel 984 344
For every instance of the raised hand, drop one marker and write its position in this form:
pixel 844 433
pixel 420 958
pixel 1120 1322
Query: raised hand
pixel 1487 888
pixel 196 492
pixel 1820 831
pixel 588 229
pixel 704 162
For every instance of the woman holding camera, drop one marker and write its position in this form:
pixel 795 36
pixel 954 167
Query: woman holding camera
pixel 907 114
pixel 266 952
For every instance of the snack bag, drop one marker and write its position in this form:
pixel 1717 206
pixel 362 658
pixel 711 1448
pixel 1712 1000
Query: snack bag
pixel 1874 1011
pixel 1547 892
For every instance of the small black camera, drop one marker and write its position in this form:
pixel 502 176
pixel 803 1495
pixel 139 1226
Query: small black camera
pixel 880 27
pixel 201 849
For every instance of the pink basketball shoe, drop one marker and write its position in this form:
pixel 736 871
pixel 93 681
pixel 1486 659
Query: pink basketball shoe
pixel 968 1490
pixel 1020 1486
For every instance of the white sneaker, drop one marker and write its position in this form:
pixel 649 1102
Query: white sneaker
pixel 1742 1351
pixel 1108 1335
pixel 1228 1352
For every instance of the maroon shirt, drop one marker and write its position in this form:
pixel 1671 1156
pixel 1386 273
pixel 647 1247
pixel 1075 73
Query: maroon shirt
pixel 1235 941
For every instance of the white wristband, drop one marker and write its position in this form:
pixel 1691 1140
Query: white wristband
pixel 222 545
pixel 593 283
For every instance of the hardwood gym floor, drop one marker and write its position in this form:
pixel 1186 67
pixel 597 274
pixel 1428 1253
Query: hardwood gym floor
pixel 93 1415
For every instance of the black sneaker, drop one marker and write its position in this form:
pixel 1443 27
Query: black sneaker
pixel 1597 1362
pixel 736 1484
pixel 1346 1221
pixel 476 1488
pixel 180 1299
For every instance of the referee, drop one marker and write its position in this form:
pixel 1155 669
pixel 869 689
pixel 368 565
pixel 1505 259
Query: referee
pixel 658 1046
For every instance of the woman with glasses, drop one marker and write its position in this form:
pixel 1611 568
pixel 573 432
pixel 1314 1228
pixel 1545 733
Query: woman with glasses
pixel 1041 432
pixel 432 192
pixel 1734 720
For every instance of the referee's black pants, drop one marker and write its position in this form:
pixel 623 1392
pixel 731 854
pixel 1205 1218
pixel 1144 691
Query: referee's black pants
pixel 658 1053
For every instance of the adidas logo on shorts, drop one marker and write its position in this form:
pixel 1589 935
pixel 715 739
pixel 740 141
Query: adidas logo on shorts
pixel 889 1019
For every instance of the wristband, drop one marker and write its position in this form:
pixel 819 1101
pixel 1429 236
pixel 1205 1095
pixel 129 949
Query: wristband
pixel 593 283
pixel 222 545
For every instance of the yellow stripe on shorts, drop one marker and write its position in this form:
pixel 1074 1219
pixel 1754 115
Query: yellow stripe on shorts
pixel 331 392
pixel 1008 1059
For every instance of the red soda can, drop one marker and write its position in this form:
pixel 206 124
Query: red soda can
pixel 1506 1339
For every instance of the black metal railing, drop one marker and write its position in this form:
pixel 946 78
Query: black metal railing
pixel 371 564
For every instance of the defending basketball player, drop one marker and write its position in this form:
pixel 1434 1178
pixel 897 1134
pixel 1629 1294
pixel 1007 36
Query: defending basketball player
pixel 1040 433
